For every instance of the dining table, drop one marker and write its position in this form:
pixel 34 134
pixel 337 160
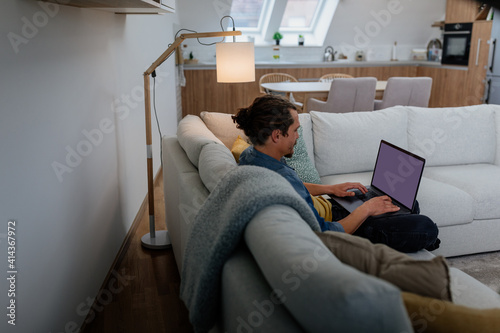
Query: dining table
pixel 312 89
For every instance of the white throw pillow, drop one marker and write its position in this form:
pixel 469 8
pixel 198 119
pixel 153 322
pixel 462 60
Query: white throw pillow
pixel 222 125
pixel 348 142
pixel 215 161
pixel 193 135
pixel 451 136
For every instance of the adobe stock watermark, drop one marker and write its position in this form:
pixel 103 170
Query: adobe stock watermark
pixel 373 28
pixel 32 26
pixel 93 138
pixel 222 7
pixel 91 306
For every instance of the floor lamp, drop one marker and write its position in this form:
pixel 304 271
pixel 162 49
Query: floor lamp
pixel 235 62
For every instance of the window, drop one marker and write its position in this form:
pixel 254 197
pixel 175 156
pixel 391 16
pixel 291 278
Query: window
pixel 299 14
pixel 247 13
pixel 260 19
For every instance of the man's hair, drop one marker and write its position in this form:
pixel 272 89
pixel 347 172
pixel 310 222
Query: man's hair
pixel 264 115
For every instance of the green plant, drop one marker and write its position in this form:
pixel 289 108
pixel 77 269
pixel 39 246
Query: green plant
pixel 277 35
pixel 191 56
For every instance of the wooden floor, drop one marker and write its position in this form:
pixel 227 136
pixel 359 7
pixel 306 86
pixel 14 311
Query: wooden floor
pixel 146 296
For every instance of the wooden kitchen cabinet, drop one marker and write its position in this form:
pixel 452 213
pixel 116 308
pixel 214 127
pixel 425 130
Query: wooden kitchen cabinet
pixel 458 11
pixel 199 96
pixel 478 60
pixel 448 85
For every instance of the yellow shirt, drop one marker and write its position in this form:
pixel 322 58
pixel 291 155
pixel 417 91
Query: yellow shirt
pixel 323 206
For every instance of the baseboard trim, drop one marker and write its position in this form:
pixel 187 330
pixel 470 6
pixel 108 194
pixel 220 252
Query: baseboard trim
pixel 125 245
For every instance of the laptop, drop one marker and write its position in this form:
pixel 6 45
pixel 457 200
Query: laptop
pixel 397 173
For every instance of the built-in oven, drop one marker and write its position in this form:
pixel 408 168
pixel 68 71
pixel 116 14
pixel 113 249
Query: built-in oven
pixel 456 43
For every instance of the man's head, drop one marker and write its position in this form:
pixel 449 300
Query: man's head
pixel 266 114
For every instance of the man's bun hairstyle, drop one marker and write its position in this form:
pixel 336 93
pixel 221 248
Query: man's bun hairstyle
pixel 265 114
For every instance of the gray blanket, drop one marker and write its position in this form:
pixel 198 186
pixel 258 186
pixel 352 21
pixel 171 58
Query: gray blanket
pixel 218 228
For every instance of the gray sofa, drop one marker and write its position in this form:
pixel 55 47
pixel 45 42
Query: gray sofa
pixel 262 290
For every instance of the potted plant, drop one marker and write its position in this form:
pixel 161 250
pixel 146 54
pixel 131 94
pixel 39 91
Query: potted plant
pixel 301 40
pixel 191 60
pixel 277 36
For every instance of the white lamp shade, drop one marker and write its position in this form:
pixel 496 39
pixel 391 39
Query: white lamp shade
pixel 235 62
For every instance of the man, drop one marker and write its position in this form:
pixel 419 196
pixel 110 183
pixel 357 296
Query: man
pixel 271 123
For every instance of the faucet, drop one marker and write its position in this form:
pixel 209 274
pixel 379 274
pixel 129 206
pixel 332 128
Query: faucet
pixel 328 56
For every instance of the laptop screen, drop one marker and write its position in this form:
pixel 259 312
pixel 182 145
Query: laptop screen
pixel 397 173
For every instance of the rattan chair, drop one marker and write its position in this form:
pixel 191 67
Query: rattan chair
pixel 297 99
pixel 330 77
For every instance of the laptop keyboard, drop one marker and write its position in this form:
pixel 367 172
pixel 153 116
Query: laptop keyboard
pixel 367 196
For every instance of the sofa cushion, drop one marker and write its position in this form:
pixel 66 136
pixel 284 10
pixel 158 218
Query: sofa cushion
pixel 193 134
pixel 449 317
pixel 307 134
pixel 320 292
pixel 480 181
pixel 348 142
pixel 444 203
pixel 215 161
pixel 450 136
pixel 301 162
pixel 223 127
pixel 238 147
pixel 496 109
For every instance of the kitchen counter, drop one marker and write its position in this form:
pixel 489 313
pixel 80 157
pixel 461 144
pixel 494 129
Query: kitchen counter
pixel 333 64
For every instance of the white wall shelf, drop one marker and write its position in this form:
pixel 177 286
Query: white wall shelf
pixel 123 6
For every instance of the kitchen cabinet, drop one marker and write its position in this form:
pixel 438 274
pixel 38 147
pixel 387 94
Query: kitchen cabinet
pixel 199 96
pixel 478 61
pixel 461 11
pixel 448 88
pixel 123 6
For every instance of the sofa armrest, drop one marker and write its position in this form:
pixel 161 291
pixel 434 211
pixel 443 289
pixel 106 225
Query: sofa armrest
pixel 248 304
pixel 318 290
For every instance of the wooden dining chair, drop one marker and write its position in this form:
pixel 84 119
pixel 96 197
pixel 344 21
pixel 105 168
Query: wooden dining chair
pixel 410 91
pixel 297 99
pixel 330 77
pixel 347 95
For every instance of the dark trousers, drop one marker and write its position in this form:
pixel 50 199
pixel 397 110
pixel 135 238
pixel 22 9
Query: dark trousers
pixel 405 233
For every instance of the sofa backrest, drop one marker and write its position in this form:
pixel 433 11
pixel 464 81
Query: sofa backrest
pixel 348 142
pixel 452 136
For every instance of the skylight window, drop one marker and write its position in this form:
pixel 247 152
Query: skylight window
pixel 260 19
pixel 247 13
pixel 299 14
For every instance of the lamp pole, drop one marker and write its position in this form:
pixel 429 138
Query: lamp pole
pixel 160 239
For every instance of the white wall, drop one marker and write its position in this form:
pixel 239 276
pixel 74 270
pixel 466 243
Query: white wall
pixel 369 25
pixel 71 81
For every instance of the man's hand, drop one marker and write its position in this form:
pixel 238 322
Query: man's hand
pixel 379 205
pixel 341 190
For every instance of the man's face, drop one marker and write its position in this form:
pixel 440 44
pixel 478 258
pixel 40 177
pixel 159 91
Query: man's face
pixel 293 135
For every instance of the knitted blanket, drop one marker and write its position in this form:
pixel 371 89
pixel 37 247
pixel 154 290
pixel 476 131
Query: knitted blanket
pixel 218 228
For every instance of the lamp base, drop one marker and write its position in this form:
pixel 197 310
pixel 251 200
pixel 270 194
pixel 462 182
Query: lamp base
pixel 161 240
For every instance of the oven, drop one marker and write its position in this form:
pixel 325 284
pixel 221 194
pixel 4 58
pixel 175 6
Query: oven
pixel 456 43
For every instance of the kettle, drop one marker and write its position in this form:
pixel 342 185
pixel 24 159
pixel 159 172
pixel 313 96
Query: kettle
pixel 329 54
